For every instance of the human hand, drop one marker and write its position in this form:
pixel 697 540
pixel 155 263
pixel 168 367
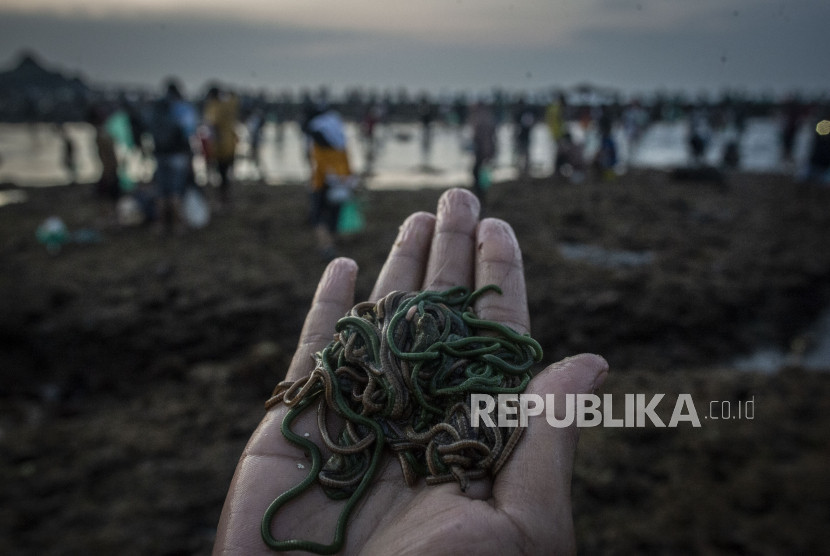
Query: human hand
pixel 525 509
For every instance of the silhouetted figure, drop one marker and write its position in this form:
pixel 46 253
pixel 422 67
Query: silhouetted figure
pixel 120 127
pixel 68 154
pixel 173 123
pixel 524 119
pixel 107 188
pixel 254 123
pixel 426 115
pixel 483 125
pixel 818 164
pixel 606 157
pixel 635 121
pixel 732 154
pixel 699 132
pixel 331 181
pixel 371 118
pixel 459 111
pixel 309 109
pixel 789 131
pixel 556 120
pixel 221 112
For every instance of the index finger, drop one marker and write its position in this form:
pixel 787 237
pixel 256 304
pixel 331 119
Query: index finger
pixel 452 253
pixel 499 262
pixel 406 264
pixel 333 299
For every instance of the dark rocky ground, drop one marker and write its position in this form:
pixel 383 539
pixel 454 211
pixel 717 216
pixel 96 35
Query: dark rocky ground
pixel 133 370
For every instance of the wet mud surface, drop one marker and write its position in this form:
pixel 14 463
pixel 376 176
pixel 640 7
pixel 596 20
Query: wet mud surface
pixel 134 369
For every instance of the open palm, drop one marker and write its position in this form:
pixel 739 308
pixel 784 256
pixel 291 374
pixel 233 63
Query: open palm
pixel 525 509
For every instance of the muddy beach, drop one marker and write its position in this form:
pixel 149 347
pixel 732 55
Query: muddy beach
pixel 134 367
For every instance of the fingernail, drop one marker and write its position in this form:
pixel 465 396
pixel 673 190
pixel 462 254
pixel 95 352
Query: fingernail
pixel 497 241
pixel 339 270
pixel 602 366
pixel 413 226
pixel 593 370
pixel 459 203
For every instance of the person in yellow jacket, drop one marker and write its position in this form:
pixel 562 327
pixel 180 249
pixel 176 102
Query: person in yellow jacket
pixel 221 113
pixel 332 182
pixel 557 124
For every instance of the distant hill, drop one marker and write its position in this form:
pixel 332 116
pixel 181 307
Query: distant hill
pixel 30 74
pixel 31 92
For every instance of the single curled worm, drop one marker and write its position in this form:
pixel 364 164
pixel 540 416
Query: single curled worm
pixel 400 374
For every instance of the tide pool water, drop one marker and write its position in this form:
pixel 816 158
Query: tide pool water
pixel 31 155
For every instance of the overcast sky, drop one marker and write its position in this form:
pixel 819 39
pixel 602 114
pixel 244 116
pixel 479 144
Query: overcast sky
pixel 437 45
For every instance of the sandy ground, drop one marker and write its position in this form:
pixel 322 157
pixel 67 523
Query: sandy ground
pixel 134 369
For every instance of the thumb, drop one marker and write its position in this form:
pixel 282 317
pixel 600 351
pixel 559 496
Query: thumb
pixel 536 480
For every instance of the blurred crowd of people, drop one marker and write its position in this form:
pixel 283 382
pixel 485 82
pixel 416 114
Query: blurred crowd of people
pixel 585 129
pixel 169 131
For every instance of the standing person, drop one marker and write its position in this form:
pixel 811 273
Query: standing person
pixel 331 181
pixel 605 160
pixel 173 123
pixel 120 128
pixel 368 128
pixel 635 121
pixel 789 131
pixel 221 112
pixel 426 114
pixel 107 188
pixel 483 124
pixel 523 119
pixel 699 135
pixel 68 153
pixel 818 163
pixel 254 123
pixel 557 125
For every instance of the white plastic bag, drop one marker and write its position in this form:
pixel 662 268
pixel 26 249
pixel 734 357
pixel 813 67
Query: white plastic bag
pixel 340 189
pixel 195 208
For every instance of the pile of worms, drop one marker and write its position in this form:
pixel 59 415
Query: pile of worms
pixel 399 375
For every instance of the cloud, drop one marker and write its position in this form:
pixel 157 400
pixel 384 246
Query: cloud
pixel 435 44
pixel 464 22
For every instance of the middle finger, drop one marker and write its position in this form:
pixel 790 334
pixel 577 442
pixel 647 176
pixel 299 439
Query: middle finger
pixel 452 253
pixel 499 262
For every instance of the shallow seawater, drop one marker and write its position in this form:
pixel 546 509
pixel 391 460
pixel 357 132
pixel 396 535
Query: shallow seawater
pixel 811 351
pixel 31 155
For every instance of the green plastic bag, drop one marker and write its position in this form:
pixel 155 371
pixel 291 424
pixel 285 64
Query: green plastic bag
pixel 485 176
pixel 351 220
